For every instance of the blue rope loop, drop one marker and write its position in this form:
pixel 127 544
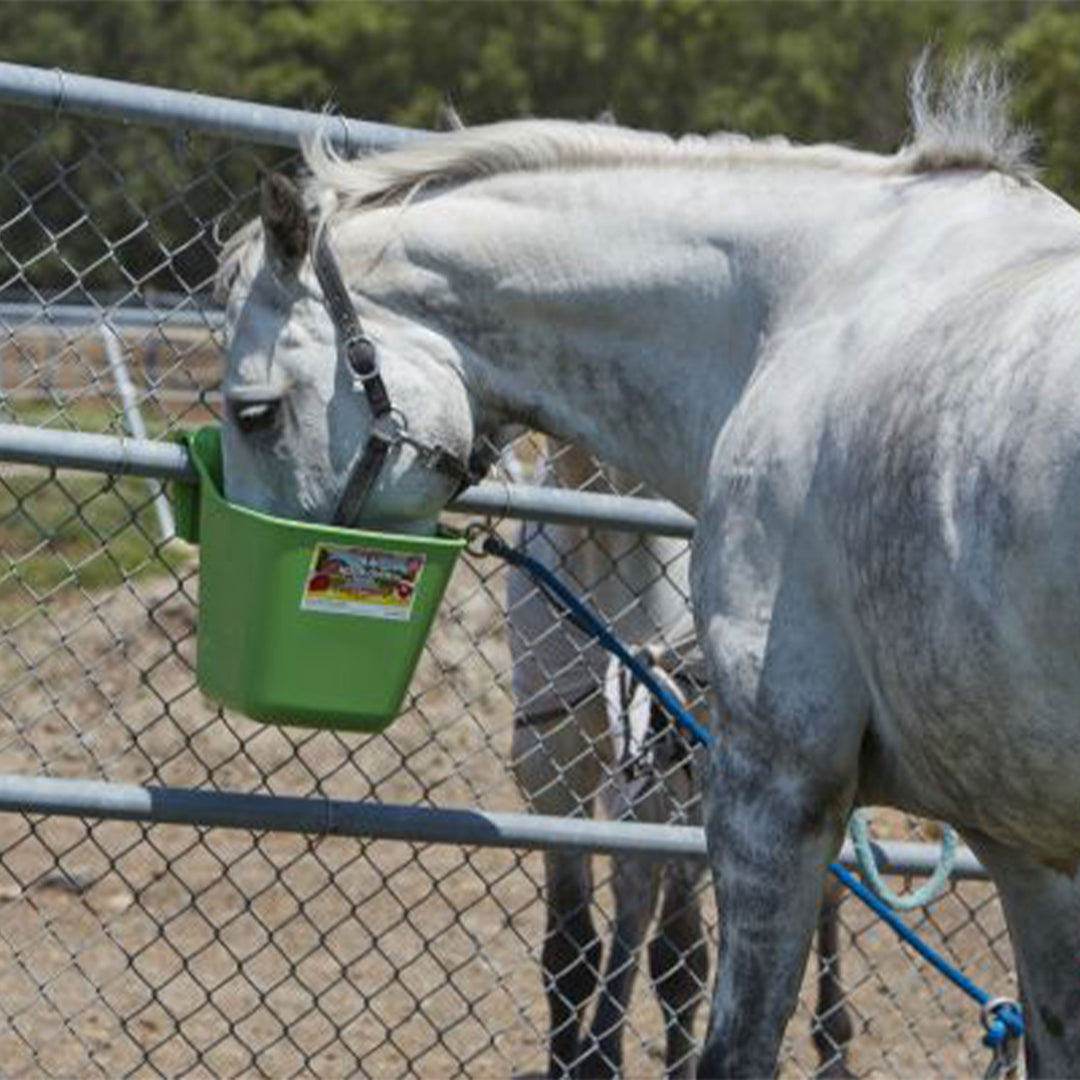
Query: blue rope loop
pixel 1001 1017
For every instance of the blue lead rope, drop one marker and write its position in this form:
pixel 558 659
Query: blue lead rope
pixel 1001 1017
pixel 590 624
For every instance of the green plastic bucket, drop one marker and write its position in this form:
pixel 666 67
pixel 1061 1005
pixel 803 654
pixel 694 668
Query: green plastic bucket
pixel 305 624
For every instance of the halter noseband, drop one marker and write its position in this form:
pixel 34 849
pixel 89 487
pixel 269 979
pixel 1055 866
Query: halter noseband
pixel 388 428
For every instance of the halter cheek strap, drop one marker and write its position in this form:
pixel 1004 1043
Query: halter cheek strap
pixel 387 426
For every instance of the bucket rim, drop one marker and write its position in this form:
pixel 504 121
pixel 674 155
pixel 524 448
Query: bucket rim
pixel 196 440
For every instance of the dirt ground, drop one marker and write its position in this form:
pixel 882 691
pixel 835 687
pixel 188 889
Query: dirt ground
pixel 135 951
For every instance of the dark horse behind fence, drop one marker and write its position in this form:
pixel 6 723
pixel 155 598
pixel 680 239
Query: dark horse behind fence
pixel 860 373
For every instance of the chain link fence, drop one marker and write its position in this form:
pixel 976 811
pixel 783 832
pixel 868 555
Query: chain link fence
pixel 134 949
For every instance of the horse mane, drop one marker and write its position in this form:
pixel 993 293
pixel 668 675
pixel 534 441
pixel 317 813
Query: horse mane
pixel 510 146
pixel 958 122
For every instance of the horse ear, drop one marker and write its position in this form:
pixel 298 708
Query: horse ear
pixel 284 219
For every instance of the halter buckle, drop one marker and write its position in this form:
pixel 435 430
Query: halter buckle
pixel 389 427
pixel 361 357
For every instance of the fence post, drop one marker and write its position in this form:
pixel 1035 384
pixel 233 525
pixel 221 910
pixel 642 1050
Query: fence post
pixel 114 352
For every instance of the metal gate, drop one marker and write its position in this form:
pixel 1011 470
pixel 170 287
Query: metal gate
pixel 185 892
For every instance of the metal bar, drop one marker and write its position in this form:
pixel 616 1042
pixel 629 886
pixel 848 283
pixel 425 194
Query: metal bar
pixel 561 505
pixel 415 824
pixel 169 461
pixel 114 352
pixel 21 315
pixel 94 453
pixel 61 91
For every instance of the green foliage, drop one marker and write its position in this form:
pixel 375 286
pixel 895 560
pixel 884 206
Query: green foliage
pixel 1046 53
pixel 814 69
pixel 811 69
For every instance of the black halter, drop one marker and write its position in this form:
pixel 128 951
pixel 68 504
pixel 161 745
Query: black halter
pixel 388 427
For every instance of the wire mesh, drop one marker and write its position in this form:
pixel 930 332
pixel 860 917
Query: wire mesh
pixel 153 950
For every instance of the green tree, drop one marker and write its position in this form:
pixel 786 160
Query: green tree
pixel 810 69
pixel 1045 51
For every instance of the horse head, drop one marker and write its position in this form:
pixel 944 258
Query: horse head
pixel 337 409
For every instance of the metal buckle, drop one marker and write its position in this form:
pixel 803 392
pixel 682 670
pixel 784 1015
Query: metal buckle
pixel 476 532
pixel 361 356
pixel 390 427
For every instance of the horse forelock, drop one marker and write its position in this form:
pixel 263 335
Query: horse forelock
pixel 233 255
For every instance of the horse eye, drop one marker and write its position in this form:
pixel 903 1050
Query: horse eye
pixel 256 416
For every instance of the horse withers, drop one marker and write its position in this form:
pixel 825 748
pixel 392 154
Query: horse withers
pixel 859 372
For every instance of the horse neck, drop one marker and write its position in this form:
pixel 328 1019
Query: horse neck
pixel 622 311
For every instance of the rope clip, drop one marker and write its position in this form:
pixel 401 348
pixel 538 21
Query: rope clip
pixel 481 539
pixel 1004 1023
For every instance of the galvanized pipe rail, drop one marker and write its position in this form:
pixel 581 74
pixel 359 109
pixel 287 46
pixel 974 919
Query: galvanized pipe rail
pixel 103 800
pixel 128 103
pixel 169 461
pixel 18 315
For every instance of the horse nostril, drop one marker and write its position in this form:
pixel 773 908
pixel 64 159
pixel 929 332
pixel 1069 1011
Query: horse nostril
pixel 253 417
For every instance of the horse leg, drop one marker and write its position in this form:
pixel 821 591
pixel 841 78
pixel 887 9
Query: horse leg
pixel 635 884
pixel 782 778
pixel 832 1028
pixel 770 839
pixel 1042 909
pixel 557 773
pixel 679 962
pixel 570 956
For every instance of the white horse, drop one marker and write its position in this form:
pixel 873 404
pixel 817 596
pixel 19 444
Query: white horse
pixel 860 373
pixel 581 738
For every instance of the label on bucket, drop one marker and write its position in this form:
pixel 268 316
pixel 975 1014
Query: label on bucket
pixel 362 581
